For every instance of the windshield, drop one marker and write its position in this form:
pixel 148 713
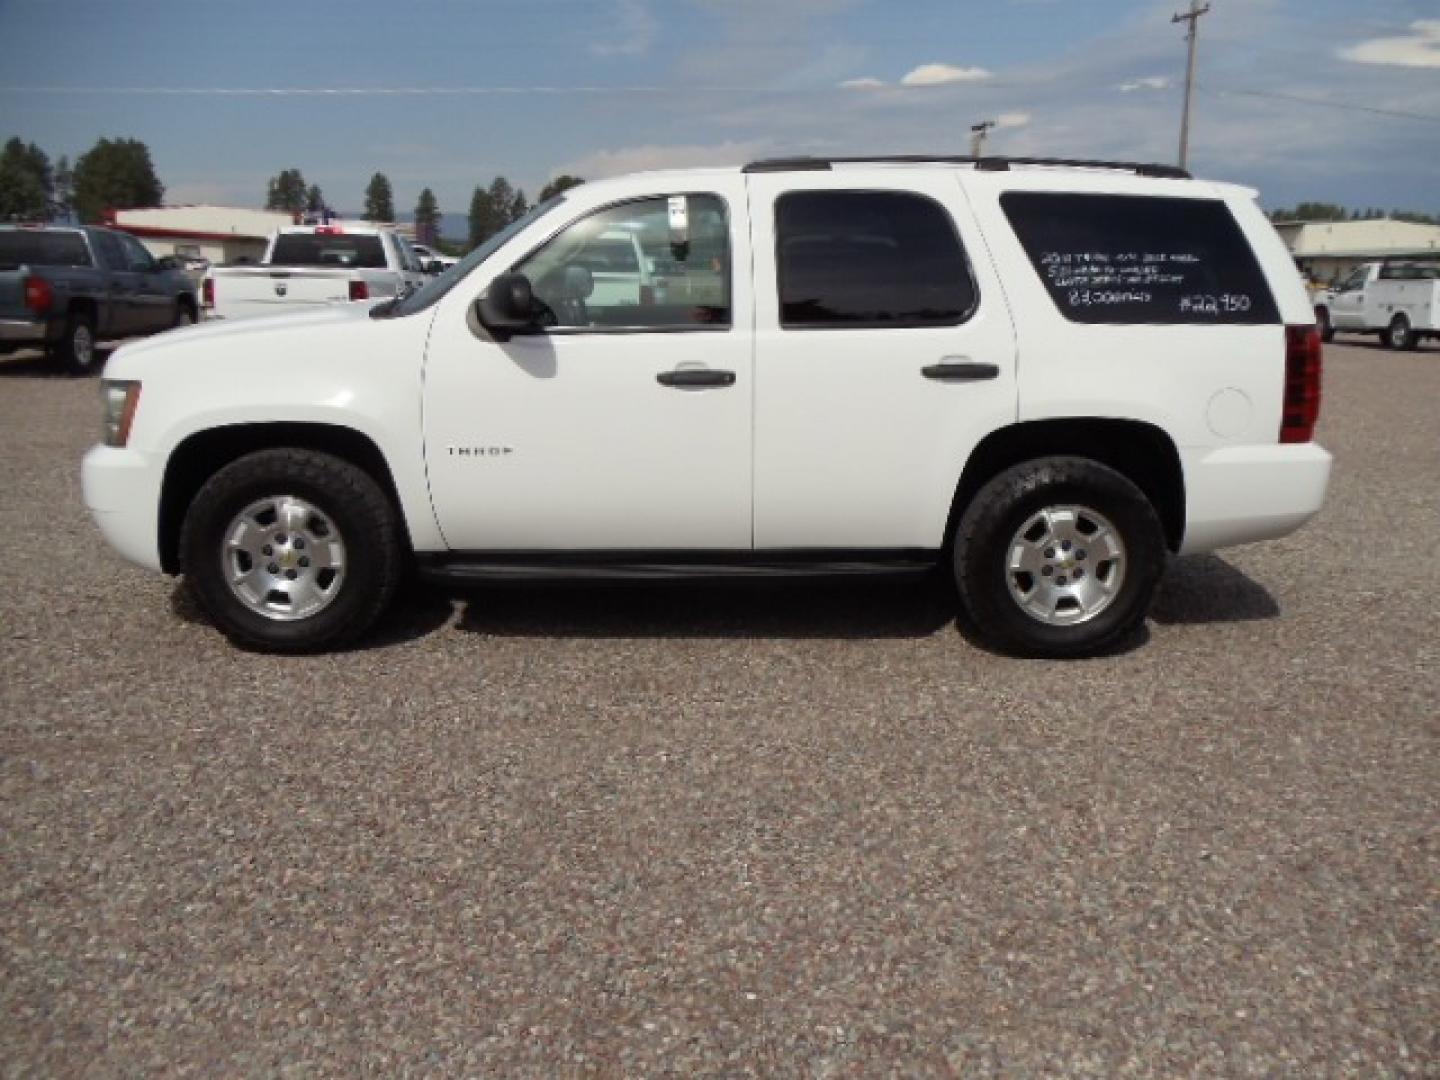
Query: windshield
pixel 441 284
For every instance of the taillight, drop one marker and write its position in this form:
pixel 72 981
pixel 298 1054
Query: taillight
pixel 1301 408
pixel 207 292
pixel 359 290
pixel 38 295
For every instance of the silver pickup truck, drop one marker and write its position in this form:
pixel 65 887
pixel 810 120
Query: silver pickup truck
pixel 308 265
pixel 64 288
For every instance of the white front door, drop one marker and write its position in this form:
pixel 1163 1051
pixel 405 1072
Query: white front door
pixel 883 353
pixel 1347 307
pixel 625 423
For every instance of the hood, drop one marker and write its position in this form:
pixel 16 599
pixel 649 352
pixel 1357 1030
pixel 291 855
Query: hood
pixel 194 343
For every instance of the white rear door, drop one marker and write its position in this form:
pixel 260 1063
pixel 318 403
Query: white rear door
pixel 625 425
pixel 883 352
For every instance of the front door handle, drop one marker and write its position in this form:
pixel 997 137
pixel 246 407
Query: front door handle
pixel 688 377
pixel 960 371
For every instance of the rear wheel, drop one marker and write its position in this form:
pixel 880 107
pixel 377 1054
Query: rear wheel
pixel 1400 335
pixel 76 347
pixel 292 550
pixel 1058 557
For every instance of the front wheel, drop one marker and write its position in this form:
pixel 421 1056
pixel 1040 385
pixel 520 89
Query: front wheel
pixel 1324 325
pixel 292 550
pixel 1058 557
pixel 1400 334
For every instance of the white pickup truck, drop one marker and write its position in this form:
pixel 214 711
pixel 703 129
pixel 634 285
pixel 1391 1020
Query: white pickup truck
pixel 314 264
pixel 1399 299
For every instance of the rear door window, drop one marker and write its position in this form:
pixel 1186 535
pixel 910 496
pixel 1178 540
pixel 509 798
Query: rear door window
pixel 23 247
pixel 1137 259
pixel 849 259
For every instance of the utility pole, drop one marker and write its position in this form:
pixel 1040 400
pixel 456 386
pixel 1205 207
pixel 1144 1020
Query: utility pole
pixel 1193 18
pixel 977 136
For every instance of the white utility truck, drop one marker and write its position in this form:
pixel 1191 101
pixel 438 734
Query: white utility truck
pixel 1031 377
pixel 1398 299
pixel 314 264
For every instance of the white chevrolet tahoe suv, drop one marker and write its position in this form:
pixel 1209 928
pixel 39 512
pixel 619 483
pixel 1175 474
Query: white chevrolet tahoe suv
pixel 1035 376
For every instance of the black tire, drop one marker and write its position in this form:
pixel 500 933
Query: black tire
pixel 1401 335
pixel 352 504
pixel 1324 325
pixel 76 350
pixel 992 523
pixel 184 314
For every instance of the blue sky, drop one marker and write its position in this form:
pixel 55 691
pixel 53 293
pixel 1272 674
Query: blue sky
pixel 537 87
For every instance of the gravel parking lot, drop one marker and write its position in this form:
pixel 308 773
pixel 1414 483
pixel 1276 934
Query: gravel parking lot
pixel 750 832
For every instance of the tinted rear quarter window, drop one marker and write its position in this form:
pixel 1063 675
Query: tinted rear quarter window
pixel 869 258
pixel 1138 259
pixel 24 247
pixel 311 249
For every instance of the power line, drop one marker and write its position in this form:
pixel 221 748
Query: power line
pixel 1323 103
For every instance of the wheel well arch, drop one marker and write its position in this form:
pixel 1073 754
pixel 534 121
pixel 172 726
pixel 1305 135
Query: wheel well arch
pixel 201 455
pixel 1141 452
pixel 187 301
pixel 83 305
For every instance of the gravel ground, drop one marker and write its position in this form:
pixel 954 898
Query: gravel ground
pixel 744 832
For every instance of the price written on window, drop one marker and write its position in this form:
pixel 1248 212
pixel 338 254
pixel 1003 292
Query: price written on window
pixel 1214 304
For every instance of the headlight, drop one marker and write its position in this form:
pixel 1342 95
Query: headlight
pixel 120 398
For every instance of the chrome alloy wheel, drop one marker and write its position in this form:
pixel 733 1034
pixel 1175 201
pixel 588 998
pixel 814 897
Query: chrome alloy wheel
pixel 1065 565
pixel 82 345
pixel 283 558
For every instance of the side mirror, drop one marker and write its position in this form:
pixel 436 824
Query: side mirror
pixel 434 266
pixel 507 307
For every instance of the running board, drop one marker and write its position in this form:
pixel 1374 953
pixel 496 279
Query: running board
pixel 660 567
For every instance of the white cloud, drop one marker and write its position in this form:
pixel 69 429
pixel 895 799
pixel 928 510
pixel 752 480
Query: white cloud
pixel 1150 82
pixel 1419 48
pixel 941 74
pixel 866 83
pixel 636 29
pixel 631 159
pixel 1012 119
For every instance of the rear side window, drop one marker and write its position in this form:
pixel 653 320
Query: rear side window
pixel 1133 259
pixel 328 249
pixel 23 247
pixel 869 259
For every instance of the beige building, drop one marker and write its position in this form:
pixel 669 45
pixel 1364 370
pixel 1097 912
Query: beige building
pixel 1328 250
pixel 217 234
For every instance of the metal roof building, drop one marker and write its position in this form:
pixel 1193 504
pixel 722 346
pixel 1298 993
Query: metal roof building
pixel 1329 250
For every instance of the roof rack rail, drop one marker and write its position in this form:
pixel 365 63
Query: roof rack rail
pixel 985 164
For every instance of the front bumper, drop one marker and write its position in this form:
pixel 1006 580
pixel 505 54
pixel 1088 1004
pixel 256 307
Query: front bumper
pixel 122 493
pixel 1241 494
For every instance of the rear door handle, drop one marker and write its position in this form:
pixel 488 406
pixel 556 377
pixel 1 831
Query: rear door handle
pixel 687 377
pixel 960 371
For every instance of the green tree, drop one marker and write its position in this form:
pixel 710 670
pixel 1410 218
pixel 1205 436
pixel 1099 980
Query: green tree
pixel 427 219
pixel 490 210
pixel 314 199
pixel 286 191
pixel 21 196
pixel 482 216
pixel 379 199
pixel 115 173
pixel 518 206
pixel 564 182
pixel 26 182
